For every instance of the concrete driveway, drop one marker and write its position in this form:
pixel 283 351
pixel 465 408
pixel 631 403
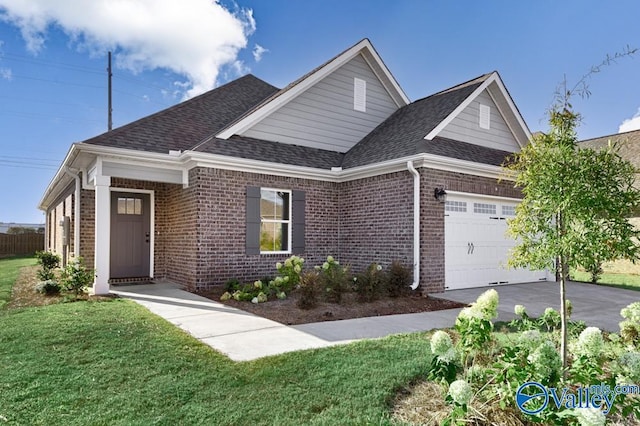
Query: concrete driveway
pixel 597 305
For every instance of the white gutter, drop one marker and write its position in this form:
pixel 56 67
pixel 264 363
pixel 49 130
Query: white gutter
pixel 416 225
pixel 76 213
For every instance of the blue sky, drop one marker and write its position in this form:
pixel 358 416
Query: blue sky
pixel 53 84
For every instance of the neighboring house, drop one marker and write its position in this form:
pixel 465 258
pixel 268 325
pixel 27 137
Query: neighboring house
pixel 339 163
pixel 628 144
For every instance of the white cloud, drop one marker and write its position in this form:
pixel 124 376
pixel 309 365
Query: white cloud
pixel 630 124
pixel 6 74
pixel 258 51
pixel 194 38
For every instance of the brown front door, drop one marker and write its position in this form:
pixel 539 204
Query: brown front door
pixel 130 235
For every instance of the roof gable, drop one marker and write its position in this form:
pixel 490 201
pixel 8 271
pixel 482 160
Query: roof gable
pixel 361 60
pixel 490 87
pixel 183 126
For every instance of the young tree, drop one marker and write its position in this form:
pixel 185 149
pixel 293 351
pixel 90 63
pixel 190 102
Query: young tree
pixel 576 202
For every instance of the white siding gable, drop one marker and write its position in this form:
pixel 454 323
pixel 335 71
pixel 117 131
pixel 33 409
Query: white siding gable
pixel 466 126
pixel 325 115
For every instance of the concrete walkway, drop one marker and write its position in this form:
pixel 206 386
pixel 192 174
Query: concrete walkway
pixel 243 336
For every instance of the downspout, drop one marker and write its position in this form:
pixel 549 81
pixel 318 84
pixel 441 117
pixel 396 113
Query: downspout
pixel 416 225
pixel 76 213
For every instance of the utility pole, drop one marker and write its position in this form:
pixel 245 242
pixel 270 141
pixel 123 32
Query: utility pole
pixel 110 108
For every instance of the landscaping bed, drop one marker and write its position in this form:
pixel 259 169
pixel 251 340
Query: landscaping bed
pixel 287 311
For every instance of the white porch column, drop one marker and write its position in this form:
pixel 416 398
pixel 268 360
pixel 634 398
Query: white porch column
pixel 102 234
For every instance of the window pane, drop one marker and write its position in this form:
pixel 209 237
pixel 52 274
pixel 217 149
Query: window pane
pixel 138 207
pixel 130 206
pixel 484 208
pixel 122 206
pixel 268 204
pixel 268 236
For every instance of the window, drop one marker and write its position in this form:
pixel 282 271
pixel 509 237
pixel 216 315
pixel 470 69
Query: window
pixel 455 206
pixel 484 208
pixel 129 206
pixel 275 220
pixel 508 210
pixel 485 117
pixel 359 94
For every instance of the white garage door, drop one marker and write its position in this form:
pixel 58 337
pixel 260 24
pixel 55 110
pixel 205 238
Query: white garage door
pixel 476 244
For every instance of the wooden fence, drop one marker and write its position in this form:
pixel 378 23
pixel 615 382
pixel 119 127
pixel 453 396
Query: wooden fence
pixel 23 244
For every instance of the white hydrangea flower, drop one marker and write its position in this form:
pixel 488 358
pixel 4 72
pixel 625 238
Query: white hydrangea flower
pixel 278 266
pixel 545 359
pixel 440 342
pixel 488 303
pixel 590 342
pixel 549 311
pixel 379 267
pixel 590 417
pixel 297 269
pixel 288 263
pixel 261 297
pixel 325 265
pixel 519 310
pixel 470 312
pixel 461 392
pixel 257 284
pixel 330 259
pixel 631 312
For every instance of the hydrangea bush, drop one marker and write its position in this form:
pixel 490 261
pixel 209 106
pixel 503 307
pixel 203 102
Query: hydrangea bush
pixel 500 365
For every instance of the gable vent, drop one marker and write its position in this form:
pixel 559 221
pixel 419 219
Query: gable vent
pixel 485 117
pixel 359 94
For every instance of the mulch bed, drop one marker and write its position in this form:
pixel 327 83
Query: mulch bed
pixel 287 312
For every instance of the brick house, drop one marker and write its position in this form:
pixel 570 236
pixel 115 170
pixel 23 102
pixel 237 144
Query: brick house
pixel 338 162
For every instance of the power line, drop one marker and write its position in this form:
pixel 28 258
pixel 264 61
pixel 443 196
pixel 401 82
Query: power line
pixel 14 157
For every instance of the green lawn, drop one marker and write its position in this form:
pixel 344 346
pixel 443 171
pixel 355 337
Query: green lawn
pixel 9 270
pixel 115 363
pixel 628 281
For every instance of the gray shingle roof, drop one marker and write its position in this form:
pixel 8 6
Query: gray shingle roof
pixel 402 134
pixel 186 124
pixel 256 149
pixel 629 143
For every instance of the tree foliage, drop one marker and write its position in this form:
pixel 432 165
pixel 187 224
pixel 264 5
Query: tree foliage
pixel 575 208
pixel 590 191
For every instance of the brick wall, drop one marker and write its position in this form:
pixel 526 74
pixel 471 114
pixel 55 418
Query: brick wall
pixel 376 220
pixel 63 206
pixel 220 220
pixel 200 230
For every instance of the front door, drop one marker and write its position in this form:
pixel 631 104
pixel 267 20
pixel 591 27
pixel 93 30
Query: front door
pixel 130 235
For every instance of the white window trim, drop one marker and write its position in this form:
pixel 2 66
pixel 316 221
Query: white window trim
pixel 288 222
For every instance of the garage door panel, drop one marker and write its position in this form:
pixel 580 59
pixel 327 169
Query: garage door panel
pixel 477 245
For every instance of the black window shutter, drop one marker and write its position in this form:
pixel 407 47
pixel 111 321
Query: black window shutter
pixel 253 220
pixel 298 218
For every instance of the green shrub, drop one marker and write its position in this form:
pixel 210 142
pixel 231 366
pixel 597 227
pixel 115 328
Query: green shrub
pixel 371 284
pixel 334 280
pixel 48 262
pixel 308 290
pixel 76 277
pixel 595 271
pixel 288 274
pixel 48 287
pixel 232 285
pixel 399 279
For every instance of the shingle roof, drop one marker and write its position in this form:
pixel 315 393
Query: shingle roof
pixel 186 124
pixel 402 134
pixel 256 149
pixel 629 144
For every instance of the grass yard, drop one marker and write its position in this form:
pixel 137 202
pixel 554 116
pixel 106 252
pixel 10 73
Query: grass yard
pixel 9 270
pixel 115 363
pixel 626 281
